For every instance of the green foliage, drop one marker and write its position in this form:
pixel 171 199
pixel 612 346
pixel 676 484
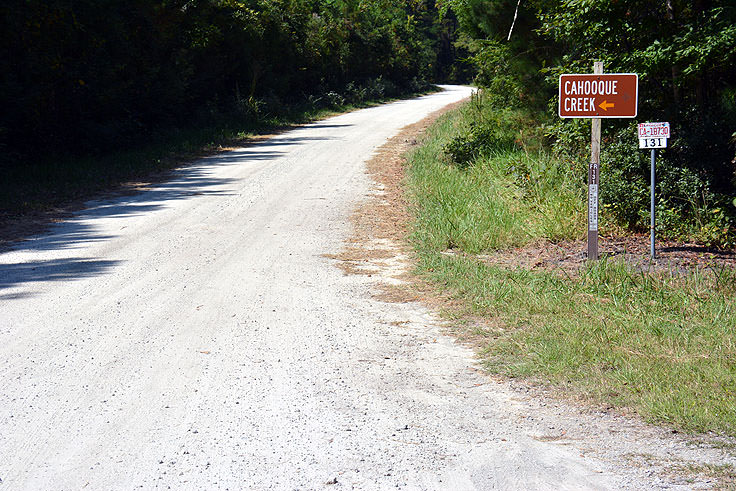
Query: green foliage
pixel 624 185
pixel 684 53
pixel 687 193
pixel 477 141
pixel 490 127
pixel 85 76
pixel 495 72
pixel 684 56
pixel 508 195
pixel 507 60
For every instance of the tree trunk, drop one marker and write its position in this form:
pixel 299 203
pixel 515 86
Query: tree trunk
pixel 675 67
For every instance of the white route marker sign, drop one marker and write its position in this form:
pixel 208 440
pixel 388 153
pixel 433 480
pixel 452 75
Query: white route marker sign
pixel 653 135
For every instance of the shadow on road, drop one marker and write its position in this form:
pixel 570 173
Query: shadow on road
pixel 74 226
pixel 50 270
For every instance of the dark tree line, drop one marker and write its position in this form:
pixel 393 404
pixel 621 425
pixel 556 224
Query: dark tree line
pixel 83 75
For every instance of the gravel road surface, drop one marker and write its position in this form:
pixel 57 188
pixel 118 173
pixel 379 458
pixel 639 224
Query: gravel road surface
pixel 196 336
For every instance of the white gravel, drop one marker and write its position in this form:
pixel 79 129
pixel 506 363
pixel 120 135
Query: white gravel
pixel 194 336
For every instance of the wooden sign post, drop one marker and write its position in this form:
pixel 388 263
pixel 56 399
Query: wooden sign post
pixel 597 96
pixel 593 174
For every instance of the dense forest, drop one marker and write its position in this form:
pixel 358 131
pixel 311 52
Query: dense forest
pixel 84 77
pixel 685 55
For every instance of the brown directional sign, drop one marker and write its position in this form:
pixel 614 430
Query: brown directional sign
pixel 606 95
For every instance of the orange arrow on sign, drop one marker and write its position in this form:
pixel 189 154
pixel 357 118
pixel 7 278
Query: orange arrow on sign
pixel 605 105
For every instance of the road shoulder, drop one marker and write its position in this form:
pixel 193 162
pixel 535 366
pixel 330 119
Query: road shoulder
pixel 379 248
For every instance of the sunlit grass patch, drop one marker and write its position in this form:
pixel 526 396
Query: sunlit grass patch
pixel 661 343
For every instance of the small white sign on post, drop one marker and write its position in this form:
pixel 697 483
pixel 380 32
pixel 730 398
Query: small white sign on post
pixel 653 135
pixel 593 208
pixel 652 142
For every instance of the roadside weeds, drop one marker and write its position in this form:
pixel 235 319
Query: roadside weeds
pixel 660 341
pixel 505 342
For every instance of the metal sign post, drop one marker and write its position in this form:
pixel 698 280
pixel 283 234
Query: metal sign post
pixel 651 209
pixel 597 96
pixel 653 136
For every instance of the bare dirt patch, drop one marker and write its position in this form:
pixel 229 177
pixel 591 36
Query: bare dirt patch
pixel 381 224
pixel 569 256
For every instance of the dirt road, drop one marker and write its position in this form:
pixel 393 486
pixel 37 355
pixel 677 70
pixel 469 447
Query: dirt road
pixel 196 336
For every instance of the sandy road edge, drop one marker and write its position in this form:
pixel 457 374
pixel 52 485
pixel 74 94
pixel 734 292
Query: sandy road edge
pixel 379 247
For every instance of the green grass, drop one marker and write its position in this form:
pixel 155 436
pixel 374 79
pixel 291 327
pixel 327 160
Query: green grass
pixel 662 344
pixel 507 198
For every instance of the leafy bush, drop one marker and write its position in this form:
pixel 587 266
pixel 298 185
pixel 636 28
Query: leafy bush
pixel 334 99
pixel 356 93
pixel 624 183
pixel 417 85
pixel 689 209
pixel 251 107
pixel 381 88
pixel 477 141
pixel 492 129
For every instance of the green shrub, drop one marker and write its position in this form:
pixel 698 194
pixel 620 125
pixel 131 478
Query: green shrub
pixel 355 93
pixel 693 202
pixel 624 182
pixel 334 99
pixel 491 129
pixel 477 141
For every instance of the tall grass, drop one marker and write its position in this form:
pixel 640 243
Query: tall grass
pixel 507 197
pixel 663 344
